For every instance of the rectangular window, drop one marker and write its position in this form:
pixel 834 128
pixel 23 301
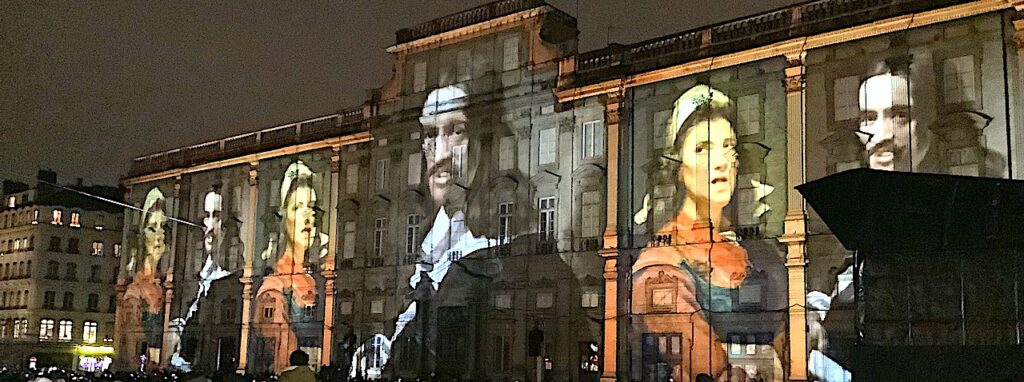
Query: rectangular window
pixel 746 200
pixel 663 133
pixel 52 269
pixel 662 203
pixel 99 222
pixel 35 216
pixel 419 77
pixel 845 104
pixel 589 299
pixel 748 114
pixel 459 161
pixel 506 153
pixel 71 272
pixel 593 139
pixel 382 174
pixel 958 79
pixel 412 233
pixel 89 332
pixel 75 220
pixel 546 226
pixel 592 223
pixel 503 301
pixel 503 353
pixel 94 273
pixel 379 233
pixel 57 217
pixel 548 145
pixel 415 162
pixel 346 308
pixel 117 250
pixel 377 306
pixel 11 201
pixel 97 248
pixel 73 245
pixel 464 65
pixel 349 241
pixel 64 330
pixel 351 178
pixel 510 58
pixel 751 344
pixel 49 300
pixel 268 312
pixel 505 223
pixel 735 344
pixel 45 329
pixel 545 300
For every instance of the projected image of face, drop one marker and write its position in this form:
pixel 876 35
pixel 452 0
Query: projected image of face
pixel 887 127
pixel 299 216
pixel 446 144
pixel 708 169
pixel 211 222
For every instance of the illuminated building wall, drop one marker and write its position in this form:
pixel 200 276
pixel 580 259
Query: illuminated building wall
pixel 634 205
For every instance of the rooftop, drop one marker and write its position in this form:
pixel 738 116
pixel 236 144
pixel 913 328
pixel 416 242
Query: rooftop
pixel 468 17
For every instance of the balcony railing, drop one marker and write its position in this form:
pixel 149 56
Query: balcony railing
pixel 468 17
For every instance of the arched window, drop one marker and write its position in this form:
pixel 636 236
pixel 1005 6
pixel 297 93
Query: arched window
pixel 45 329
pixel 64 331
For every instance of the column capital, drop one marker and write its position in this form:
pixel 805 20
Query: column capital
pixel 253 174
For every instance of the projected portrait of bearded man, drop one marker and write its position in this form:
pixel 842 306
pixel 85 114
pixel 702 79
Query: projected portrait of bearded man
pixel 685 280
pixel 288 288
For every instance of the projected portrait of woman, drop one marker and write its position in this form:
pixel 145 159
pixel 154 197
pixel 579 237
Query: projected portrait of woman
pixel 143 297
pixel 691 270
pixel 288 290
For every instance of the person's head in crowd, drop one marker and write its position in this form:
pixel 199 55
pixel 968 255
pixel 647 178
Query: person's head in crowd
pixel 298 358
pixel 889 131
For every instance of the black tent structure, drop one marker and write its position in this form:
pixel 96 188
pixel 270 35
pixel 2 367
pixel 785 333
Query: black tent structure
pixel 938 273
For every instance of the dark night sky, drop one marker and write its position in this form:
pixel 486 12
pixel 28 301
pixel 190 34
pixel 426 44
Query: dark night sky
pixel 86 86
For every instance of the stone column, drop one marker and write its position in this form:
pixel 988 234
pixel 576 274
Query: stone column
pixel 795 233
pixel 249 238
pixel 610 251
pixel 1016 117
pixel 328 265
pixel 173 210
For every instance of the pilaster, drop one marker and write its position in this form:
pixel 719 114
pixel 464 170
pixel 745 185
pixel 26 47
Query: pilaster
pixel 328 262
pixel 166 347
pixel 610 250
pixel 249 238
pixel 795 233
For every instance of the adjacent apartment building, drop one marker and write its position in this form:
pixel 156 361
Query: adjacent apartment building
pixel 506 207
pixel 59 254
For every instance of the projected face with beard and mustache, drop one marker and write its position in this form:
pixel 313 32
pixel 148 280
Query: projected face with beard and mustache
pixel 446 146
pixel 888 130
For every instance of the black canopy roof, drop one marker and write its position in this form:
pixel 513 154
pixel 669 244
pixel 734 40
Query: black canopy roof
pixel 886 212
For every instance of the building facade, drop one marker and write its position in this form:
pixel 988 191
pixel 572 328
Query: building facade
pixel 58 266
pixel 506 206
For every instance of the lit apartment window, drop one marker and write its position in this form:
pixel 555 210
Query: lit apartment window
pixel 412 233
pixel 89 332
pixel 21 327
pixel 57 217
pixel 117 250
pixel 35 216
pixel 379 233
pixel 382 174
pixel 548 146
pixel 593 139
pixel 510 58
pixel 419 77
pixel 99 222
pixel 348 250
pixel 97 248
pixel 546 228
pixel 589 299
pixel 75 220
pixel 351 178
pixel 506 153
pixel 11 201
pixel 505 223
pixel 46 329
pixel 64 330
pixel 415 163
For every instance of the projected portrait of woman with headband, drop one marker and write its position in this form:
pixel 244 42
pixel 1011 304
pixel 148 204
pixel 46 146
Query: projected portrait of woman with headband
pixel 289 291
pixel 701 295
pixel 143 302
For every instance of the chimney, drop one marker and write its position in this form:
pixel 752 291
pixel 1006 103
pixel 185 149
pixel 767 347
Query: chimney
pixel 46 176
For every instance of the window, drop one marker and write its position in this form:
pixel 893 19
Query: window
pixel 351 178
pixel 45 329
pixel 663 298
pixel 750 293
pixel 99 222
pixel 546 227
pixel 117 250
pixel 845 103
pixel 346 308
pixel 17 244
pixel 503 353
pixel 419 77
pixel 49 299
pixel 10 201
pixel 459 161
pixel 94 302
pixel 412 233
pixel 64 331
pixel 505 223
pixel 548 145
pixel 348 249
pixel 506 153
pixel 89 332
pixel 958 79
pixel 75 217
pixel 73 245
pixel 57 217
pixel 503 301
pixel 35 216
pixel 589 299
pixel 94 273
pixel 510 58
pixel 69 301
pixel 735 344
pixel 748 114
pixel 592 223
pixel 268 309
pixel 545 300
pixel 377 306
pixel 97 248
pixel 376 358
pixel 21 327
pixel 382 174
pixel 379 233
pixel 415 162
pixel 593 139
pixel 71 271
pixel 112 304
pixel 52 270
pixel 751 344
pixel 664 134
pixel 662 204
pixel 464 65
pixel 54 244
pixel 309 310
pixel 746 199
